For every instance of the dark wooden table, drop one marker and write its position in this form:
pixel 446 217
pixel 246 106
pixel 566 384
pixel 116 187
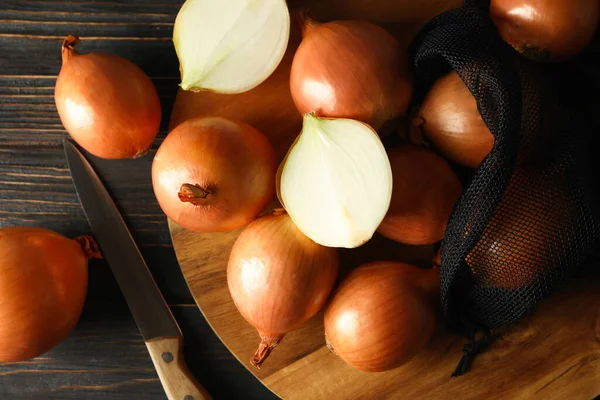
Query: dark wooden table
pixel 104 357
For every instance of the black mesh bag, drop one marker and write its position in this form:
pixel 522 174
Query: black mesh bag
pixel 527 217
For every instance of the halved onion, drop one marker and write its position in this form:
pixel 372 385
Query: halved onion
pixel 230 46
pixel 336 181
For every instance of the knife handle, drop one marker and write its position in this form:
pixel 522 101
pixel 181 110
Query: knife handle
pixel 176 379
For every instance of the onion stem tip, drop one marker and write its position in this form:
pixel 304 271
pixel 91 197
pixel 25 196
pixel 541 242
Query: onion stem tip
pixel 70 42
pixel 89 246
pixel 193 194
pixel 68 48
pixel 303 21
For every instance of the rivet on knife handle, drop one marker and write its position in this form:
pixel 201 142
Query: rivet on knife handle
pixel 177 381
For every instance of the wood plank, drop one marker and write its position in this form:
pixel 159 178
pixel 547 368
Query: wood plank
pixel 47 52
pixel 551 354
pixel 27 107
pixel 104 357
pixel 93 8
pixel 36 189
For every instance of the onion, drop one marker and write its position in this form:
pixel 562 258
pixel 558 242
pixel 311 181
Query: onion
pixel 213 174
pixel 230 46
pixel 546 30
pixel 425 190
pixel 382 314
pixel 43 285
pixel 336 181
pixel 528 231
pixel 450 120
pixel 350 69
pixel 278 278
pixel 106 103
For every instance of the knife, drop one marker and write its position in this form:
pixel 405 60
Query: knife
pixel 153 317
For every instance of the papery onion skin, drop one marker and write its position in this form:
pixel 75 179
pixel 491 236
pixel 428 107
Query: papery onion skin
pixel 450 120
pixel 546 30
pixel 382 315
pixel 350 69
pixel 43 286
pixel 278 278
pixel 213 174
pixel 106 103
pixel 425 190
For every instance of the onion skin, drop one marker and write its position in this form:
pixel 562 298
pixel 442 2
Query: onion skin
pixel 106 103
pixel 43 281
pixel 425 190
pixel 546 30
pixel 449 119
pixel 213 174
pixel 382 315
pixel 350 69
pixel 278 278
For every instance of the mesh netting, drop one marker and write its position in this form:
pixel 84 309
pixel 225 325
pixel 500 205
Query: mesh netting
pixel 527 217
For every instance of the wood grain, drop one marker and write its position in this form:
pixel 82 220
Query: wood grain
pixel 105 357
pixel 35 189
pixel 553 353
pixel 203 259
pixel 178 382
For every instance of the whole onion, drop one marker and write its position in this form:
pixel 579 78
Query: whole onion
pixel 278 278
pixel 450 120
pixel 212 174
pixel 106 103
pixel 382 314
pixel 350 69
pixel 546 30
pixel 424 192
pixel 43 285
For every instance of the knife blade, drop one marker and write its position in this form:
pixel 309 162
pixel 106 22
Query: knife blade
pixel 151 313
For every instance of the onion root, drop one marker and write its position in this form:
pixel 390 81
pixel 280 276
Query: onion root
pixel 267 344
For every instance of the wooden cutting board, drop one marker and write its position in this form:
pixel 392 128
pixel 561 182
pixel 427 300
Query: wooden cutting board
pixel 552 354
